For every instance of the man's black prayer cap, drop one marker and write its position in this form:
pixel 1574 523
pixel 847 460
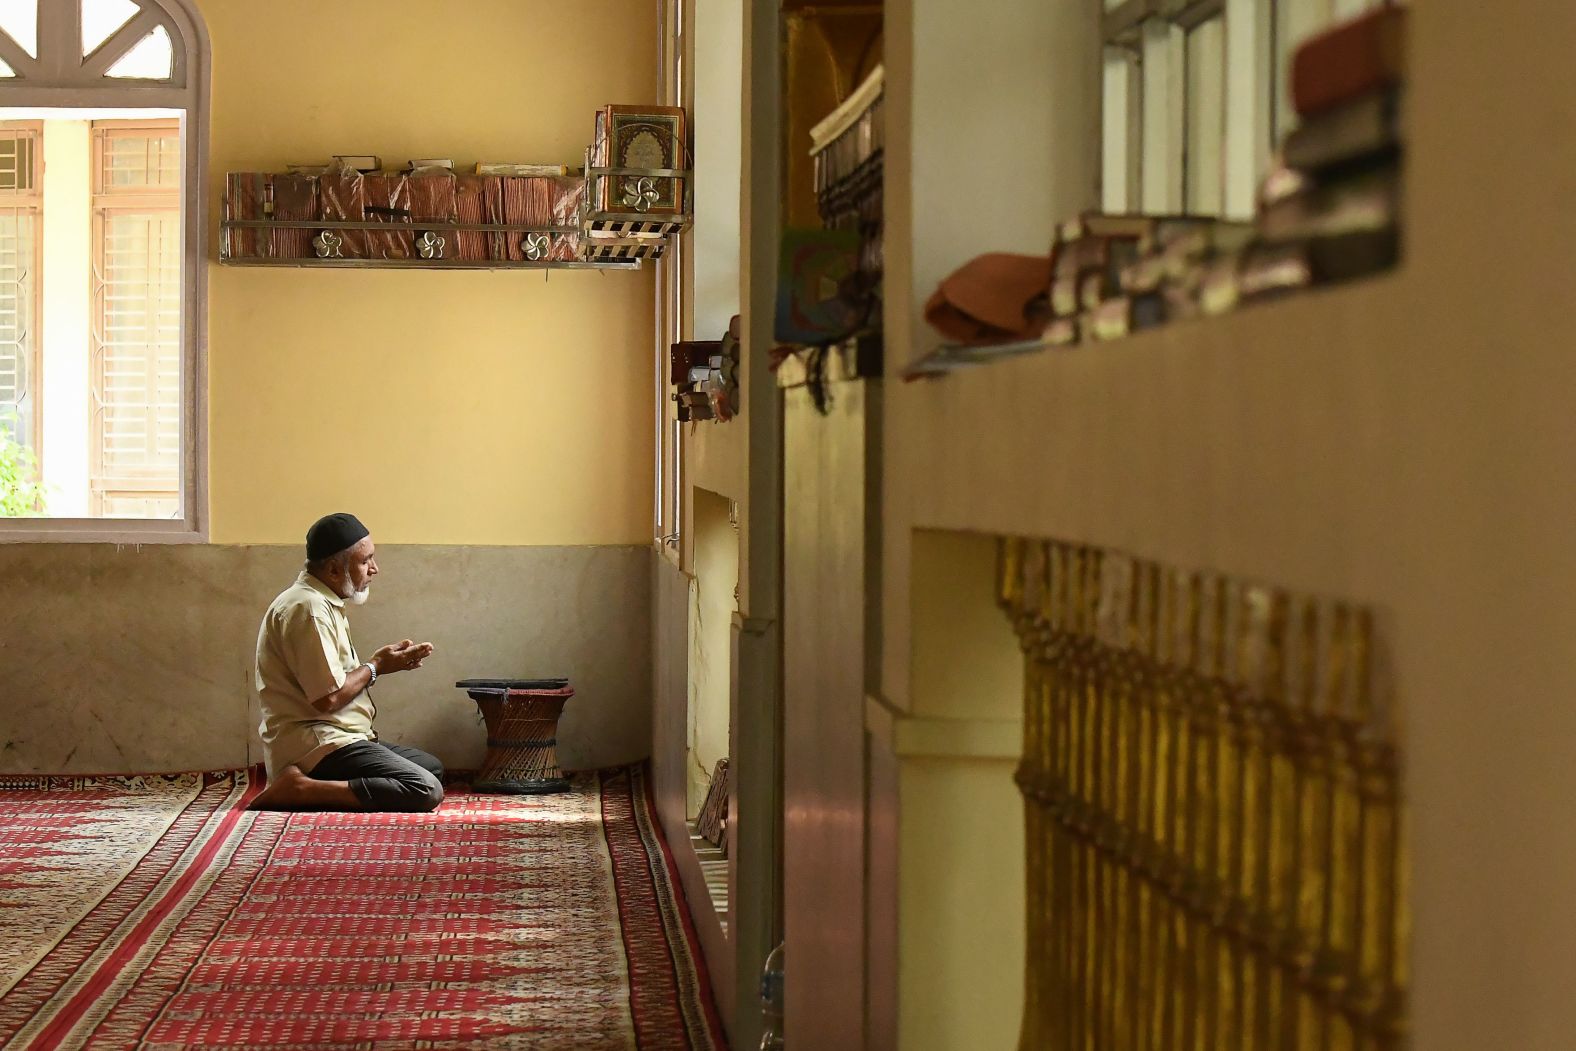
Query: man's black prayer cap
pixel 331 534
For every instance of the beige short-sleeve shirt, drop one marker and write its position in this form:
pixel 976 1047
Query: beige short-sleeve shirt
pixel 304 653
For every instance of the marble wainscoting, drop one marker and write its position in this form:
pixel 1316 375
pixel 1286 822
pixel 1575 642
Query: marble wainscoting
pixel 123 659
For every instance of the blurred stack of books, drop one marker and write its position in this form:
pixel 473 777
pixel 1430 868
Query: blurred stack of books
pixel 848 148
pixel 1331 210
pixel 829 298
pixel 1328 210
pixel 1116 274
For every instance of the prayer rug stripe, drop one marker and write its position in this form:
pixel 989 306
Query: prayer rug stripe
pixel 62 894
pixel 106 973
pixel 659 971
pixel 496 922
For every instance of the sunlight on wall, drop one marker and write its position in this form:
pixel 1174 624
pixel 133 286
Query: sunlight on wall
pixel 712 605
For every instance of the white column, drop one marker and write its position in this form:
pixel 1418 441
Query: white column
pixel 1205 167
pixel 1249 70
pixel 1163 117
pixel 1118 122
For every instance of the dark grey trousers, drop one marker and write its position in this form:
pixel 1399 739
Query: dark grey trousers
pixel 386 776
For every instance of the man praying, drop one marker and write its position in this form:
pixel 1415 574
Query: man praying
pixel 318 742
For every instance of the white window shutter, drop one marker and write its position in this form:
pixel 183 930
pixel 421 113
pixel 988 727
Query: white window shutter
pixel 137 314
pixel 19 247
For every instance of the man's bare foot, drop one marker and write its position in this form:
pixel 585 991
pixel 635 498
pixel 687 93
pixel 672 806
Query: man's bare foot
pixel 290 789
pixel 281 789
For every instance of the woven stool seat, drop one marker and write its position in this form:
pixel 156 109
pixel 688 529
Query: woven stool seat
pixel 521 716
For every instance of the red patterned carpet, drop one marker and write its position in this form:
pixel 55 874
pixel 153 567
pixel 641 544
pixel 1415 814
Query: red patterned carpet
pixel 158 913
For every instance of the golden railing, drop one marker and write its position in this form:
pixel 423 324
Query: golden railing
pixel 1216 856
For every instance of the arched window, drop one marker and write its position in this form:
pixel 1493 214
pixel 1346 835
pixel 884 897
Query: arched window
pixel 102 270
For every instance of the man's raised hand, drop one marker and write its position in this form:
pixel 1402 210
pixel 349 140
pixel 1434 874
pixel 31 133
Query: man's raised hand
pixel 401 656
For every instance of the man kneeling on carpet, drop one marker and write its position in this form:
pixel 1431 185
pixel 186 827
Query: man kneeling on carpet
pixel 321 750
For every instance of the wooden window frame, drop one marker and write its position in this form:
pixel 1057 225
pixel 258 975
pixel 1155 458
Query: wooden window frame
pixel 61 78
pixel 674 304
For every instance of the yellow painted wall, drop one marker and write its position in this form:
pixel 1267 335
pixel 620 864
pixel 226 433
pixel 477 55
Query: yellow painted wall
pixel 961 916
pixel 960 839
pixel 443 407
pixel 965 659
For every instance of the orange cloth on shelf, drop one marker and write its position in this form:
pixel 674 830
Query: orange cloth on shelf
pixel 992 298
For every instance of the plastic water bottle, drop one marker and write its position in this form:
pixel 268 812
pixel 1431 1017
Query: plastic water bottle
pixel 772 1001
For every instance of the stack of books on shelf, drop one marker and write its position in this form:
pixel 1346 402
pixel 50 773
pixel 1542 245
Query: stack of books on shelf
pixel 1328 211
pixel 519 168
pixel 689 367
pixel 629 213
pixel 1091 295
pixel 1116 274
pixel 1087 259
pixel 705 375
pixel 848 148
pixel 1331 211
pixel 420 203
pixel 632 196
pixel 1165 283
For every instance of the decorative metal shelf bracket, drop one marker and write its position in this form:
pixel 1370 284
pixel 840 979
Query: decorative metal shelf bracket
pixel 637 191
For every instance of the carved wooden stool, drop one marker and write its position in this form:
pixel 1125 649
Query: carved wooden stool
pixel 522 733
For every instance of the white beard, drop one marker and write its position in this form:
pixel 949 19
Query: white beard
pixel 359 598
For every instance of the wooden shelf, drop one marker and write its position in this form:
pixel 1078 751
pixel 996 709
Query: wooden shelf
pixel 950 357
